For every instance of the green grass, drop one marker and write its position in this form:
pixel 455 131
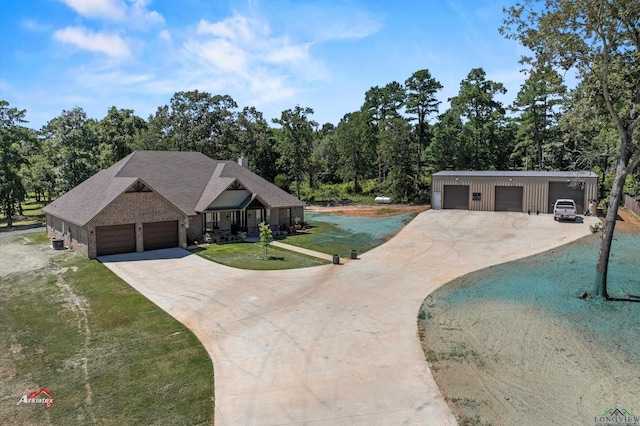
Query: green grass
pixel 252 256
pixel 329 238
pixel 143 366
pixel 32 215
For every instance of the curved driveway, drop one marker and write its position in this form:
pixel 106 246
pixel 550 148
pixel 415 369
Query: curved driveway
pixel 334 344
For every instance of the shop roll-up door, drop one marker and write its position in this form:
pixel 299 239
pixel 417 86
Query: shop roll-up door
pixel 509 198
pixel 571 190
pixel 456 197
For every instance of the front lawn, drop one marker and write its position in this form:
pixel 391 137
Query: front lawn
pixel 335 234
pixel 31 215
pixel 252 256
pixel 106 353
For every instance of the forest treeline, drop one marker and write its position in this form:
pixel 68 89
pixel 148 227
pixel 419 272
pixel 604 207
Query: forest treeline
pixel 396 139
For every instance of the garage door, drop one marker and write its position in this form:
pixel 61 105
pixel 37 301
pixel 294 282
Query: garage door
pixel 508 198
pixel 456 197
pixel 566 190
pixel 159 235
pixel 115 239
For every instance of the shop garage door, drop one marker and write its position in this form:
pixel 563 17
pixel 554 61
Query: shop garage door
pixel 159 235
pixel 559 190
pixel 115 239
pixel 508 198
pixel 456 197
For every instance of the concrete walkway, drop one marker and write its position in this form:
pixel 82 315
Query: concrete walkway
pixel 334 344
pixel 303 250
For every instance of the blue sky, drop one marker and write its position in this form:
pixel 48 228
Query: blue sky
pixel 271 54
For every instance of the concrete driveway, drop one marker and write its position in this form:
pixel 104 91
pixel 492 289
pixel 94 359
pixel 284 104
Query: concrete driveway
pixel 334 344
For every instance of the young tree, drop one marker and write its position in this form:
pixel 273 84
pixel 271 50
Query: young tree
pixel 12 136
pixel 600 39
pixel 265 237
pixel 296 142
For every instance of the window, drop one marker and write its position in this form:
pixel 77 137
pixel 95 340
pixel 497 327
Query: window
pixel 211 221
pixel 258 216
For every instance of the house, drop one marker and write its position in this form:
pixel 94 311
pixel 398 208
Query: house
pixel 159 199
pixel 517 191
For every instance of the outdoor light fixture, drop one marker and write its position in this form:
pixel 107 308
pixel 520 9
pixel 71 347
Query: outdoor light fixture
pixel 510 179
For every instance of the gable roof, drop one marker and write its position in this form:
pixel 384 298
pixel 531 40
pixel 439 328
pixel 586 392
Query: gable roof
pixel 188 180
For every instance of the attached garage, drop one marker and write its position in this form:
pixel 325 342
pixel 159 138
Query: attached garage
pixel 159 235
pixel 509 198
pixel 558 190
pixel 512 191
pixel 116 239
pixel 456 197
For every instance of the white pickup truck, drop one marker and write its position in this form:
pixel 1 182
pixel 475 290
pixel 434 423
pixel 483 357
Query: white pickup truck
pixel 565 209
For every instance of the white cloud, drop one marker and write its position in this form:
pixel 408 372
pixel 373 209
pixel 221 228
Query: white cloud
pixel 288 54
pixel 221 54
pixel 115 10
pixel 109 44
pixel 238 29
pixel 165 35
pixel 34 26
pixel 134 12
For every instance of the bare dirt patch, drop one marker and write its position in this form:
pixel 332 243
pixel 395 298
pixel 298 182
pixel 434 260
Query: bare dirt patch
pixel 627 222
pixel 514 344
pixel 364 210
pixel 17 256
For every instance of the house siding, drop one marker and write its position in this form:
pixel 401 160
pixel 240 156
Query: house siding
pixel 75 237
pixel 535 193
pixel 194 232
pixel 138 208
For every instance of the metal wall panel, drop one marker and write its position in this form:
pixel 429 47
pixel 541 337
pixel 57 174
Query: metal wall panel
pixel 535 189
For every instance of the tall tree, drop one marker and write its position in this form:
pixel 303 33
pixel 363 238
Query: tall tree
pixel 449 149
pixel 601 40
pixel 12 135
pixel 397 150
pixel 296 142
pixel 421 90
pixel 256 140
pixel 116 133
pixel 198 121
pixel 381 106
pixel 356 158
pixel 538 101
pixel 481 112
pixel 74 142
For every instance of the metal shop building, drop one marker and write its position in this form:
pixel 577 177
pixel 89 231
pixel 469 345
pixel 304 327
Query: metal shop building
pixel 530 191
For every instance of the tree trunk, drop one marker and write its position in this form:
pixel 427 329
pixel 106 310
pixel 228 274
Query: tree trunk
pixel 615 198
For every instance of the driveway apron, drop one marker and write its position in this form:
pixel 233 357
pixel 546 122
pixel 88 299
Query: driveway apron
pixel 334 344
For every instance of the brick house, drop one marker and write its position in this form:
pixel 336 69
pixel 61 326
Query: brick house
pixel 159 199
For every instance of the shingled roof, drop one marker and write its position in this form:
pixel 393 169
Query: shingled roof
pixel 188 180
